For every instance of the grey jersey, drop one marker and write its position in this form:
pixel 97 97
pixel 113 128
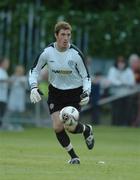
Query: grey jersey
pixel 66 69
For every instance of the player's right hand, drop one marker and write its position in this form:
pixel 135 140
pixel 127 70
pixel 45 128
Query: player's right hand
pixel 35 95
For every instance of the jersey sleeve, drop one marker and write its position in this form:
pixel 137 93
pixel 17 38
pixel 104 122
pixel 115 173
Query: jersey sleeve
pixel 83 72
pixel 34 73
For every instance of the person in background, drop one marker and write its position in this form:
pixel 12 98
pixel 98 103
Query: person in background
pixel 4 65
pixel 121 79
pixel 99 90
pixel 95 97
pixel 134 63
pixel 17 95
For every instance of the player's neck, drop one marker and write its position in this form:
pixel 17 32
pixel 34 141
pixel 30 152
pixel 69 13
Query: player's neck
pixel 61 49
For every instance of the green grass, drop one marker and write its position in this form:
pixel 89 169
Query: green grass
pixel 36 155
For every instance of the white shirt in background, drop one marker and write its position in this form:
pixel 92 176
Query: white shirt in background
pixel 17 96
pixel 121 80
pixel 3 85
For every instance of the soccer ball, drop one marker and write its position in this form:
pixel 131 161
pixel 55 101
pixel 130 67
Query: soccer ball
pixel 69 116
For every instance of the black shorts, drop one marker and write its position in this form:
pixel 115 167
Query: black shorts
pixel 59 99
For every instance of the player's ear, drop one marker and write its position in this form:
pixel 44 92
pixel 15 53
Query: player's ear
pixel 56 35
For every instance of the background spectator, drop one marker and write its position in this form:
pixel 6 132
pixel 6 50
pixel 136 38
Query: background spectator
pixel 134 62
pixel 4 65
pixel 121 79
pixel 99 89
pixel 95 96
pixel 17 95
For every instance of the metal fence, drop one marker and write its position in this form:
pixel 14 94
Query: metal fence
pixel 38 114
pixel 34 115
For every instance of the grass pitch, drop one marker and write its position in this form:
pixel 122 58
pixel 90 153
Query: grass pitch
pixel 35 154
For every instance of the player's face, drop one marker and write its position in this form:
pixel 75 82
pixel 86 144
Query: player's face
pixel 63 38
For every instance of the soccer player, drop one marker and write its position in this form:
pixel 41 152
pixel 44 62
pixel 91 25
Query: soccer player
pixel 70 85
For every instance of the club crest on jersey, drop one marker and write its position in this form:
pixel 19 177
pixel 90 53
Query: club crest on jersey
pixel 71 63
pixel 51 106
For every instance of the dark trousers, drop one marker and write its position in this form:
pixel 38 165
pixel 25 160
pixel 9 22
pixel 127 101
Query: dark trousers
pixel 122 111
pixel 95 114
pixel 136 110
pixel 2 111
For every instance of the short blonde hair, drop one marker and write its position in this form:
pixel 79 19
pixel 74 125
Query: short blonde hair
pixel 62 25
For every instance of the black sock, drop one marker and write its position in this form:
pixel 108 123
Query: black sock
pixel 64 140
pixel 72 153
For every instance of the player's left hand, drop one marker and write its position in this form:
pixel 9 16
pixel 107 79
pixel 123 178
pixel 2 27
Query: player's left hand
pixel 84 98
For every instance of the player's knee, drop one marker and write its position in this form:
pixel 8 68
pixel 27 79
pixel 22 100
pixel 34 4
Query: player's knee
pixel 58 129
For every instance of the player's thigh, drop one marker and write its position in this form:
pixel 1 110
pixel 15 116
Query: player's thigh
pixel 57 124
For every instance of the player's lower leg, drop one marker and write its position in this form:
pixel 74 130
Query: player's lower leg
pixel 87 132
pixel 64 140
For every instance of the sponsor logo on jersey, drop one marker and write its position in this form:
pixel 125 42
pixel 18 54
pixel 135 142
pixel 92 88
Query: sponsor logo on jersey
pixel 62 71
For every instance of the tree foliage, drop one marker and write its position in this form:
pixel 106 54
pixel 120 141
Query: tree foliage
pixel 101 28
pixel 82 5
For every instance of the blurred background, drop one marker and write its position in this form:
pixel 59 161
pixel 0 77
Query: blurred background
pixel 106 31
